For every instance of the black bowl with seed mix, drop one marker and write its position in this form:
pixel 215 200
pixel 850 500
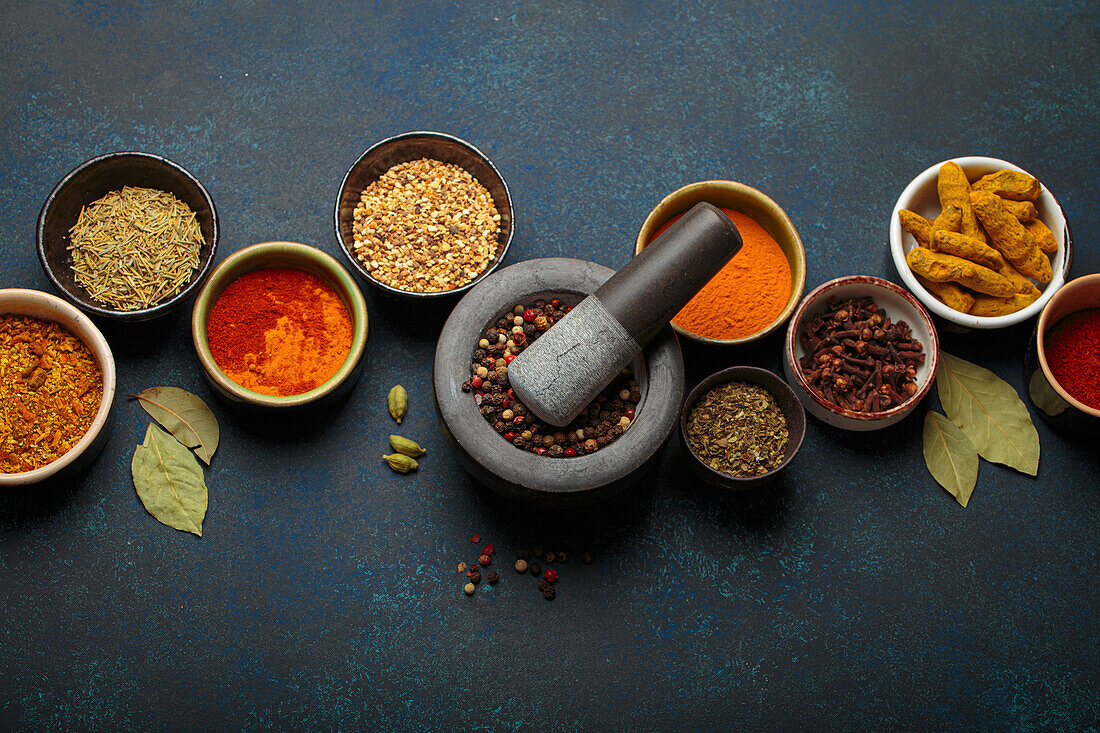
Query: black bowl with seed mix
pixel 524 474
pixel 598 425
pixel 402 149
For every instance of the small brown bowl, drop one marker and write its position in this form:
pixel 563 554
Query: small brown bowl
pixel 1058 407
pixel 91 181
pixel 900 305
pixel 387 153
pixel 784 397
pixel 757 206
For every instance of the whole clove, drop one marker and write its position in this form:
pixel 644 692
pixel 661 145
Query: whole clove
pixel 857 358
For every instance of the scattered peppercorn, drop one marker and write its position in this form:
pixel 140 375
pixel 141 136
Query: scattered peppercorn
pixel 493 577
pixel 586 558
pixel 487 550
pixel 462 567
pixel 470 588
pixel 563 557
pixel 521 566
pixel 523 554
pixel 549 593
pixel 476 538
pixel 544 585
pixel 535 569
pixel 538 551
pixel 550 557
pixel 597 426
pixel 551 575
pixel 484 560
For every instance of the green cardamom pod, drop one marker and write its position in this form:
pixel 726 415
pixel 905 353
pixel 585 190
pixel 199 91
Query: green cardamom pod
pixel 399 402
pixel 400 462
pixel 406 446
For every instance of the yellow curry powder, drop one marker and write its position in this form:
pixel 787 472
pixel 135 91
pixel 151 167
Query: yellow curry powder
pixel 50 390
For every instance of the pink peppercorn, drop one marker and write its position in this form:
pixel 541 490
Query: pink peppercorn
pixel 550 576
pixel 528 315
pixel 488 549
pixel 484 560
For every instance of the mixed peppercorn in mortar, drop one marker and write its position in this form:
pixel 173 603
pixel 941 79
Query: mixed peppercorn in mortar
pixel 598 425
pixel 426 227
pixel 50 389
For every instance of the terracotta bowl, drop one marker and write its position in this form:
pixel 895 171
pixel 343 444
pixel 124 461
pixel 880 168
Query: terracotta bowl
pixel 387 153
pixel 94 179
pixel 279 255
pixel 1055 405
pixel 748 201
pixel 899 306
pixel 51 308
pixel 920 196
pixel 784 396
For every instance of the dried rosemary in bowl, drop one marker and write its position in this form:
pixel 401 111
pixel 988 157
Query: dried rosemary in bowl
pixel 135 248
pixel 738 429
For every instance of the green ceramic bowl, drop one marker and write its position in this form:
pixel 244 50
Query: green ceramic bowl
pixel 282 255
pixel 755 205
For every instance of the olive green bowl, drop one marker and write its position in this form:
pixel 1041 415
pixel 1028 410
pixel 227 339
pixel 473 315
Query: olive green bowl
pixel 281 255
pixel 758 207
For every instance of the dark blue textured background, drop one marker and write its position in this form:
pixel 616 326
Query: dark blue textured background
pixel 853 594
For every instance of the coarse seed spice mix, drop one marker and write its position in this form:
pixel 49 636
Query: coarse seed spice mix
pixel 50 390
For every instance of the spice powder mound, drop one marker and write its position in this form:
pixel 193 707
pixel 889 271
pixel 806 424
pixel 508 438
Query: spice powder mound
pixel 738 429
pixel 426 227
pixel 279 331
pixel 50 390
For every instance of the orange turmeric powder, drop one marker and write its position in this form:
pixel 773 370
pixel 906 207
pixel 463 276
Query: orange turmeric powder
pixel 746 295
pixel 279 332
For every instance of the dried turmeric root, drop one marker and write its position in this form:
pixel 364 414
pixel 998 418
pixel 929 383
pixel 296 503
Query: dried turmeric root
pixel 954 190
pixel 987 305
pixel 968 248
pixel 1010 237
pixel 917 225
pixel 1023 210
pixel 942 267
pixel 949 294
pixel 1010 184
pixel 1040 232
pixel 1022 284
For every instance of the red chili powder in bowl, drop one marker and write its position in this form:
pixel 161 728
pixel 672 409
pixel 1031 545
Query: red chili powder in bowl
pixel 279 331
pixel 746 295
pixel 1072 349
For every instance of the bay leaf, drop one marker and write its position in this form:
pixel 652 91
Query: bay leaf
pixel 950 457
pixel 185 416
pixel 989 412
pixel 169 481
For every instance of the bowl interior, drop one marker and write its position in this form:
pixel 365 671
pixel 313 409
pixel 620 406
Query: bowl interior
pixel 413 146
pixel 921 197
pixel 279 255
pixel 752 203
pixel 1076 295
pixel 50 308
pixel 897 304
pixel 784 396
pixel 92 181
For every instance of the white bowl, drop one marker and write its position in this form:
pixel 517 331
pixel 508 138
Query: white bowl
pixel 920 196
pixel 899 306
pixel 51 308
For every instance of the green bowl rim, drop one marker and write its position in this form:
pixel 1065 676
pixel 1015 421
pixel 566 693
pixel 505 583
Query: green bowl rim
pixel 214 286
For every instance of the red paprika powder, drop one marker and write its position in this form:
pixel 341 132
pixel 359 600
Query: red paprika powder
pixel 1072 348
pixel 279 331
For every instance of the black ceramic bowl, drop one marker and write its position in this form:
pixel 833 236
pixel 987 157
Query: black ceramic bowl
pixel 784 396
pixel 541 479
pixel 94 179
pixel 382 156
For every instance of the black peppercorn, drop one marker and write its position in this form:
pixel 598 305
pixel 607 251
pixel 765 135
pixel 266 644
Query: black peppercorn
pixel 493 577
pixel 549 593
pixel 535 569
